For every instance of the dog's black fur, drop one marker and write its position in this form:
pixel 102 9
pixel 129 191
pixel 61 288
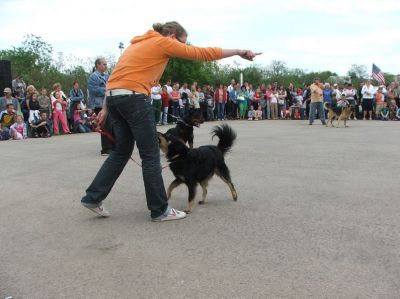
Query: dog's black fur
pixel 198 166
pixel 184 127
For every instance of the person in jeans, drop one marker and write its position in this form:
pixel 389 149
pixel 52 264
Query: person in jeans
pixel 97 87
pixel 316 95
pixel 139 68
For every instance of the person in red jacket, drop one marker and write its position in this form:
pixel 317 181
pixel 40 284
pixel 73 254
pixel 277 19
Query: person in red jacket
pixel 165 104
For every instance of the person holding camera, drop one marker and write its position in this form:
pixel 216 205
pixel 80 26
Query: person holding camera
pixel 97 91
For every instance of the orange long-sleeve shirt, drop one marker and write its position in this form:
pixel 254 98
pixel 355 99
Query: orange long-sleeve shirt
pixel 142 64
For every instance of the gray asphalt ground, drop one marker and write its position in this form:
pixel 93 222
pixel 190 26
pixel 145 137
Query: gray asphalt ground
pixel 317 216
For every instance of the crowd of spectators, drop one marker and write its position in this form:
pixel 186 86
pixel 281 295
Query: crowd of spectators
pixel 271 101
pixel 27 112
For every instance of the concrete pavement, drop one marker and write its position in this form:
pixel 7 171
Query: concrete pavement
pixel 317 216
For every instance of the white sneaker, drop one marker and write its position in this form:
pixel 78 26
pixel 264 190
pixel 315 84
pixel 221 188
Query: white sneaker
pixel 101 210
pixel 170 214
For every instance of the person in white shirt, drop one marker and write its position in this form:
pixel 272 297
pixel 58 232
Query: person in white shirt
pixel 350 94
pixel 368 92
pixel 156 100
pixel 185 93
pixel 168 86
pixel 274 105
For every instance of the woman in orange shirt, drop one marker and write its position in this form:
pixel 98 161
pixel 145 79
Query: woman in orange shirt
pixel 139 68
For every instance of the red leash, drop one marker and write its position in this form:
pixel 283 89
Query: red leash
pixel 112 139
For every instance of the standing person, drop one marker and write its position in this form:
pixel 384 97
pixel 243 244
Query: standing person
pixel 156 101
pixel 367 92
pixel 328 96
pixel 76 97
pixel 220 97
pixel 18 87
pixel 185 93
pixel 316 104
pixel 59 107
pixel 44 102
pixel 175 98
pixel 350 93
pixel 140 66
pixel 165 104
pixel 97 90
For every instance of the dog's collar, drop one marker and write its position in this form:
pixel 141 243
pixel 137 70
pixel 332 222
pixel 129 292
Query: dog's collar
pixel 174 158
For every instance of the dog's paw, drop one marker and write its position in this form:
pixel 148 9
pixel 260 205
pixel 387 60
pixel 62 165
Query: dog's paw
pixel 187 211
pixel 202 202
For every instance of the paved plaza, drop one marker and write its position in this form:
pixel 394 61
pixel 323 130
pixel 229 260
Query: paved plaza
pixel 318 215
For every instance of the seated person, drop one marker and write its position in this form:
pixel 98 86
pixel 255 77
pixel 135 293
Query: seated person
pixel 33 107
pixel 7 117
pixel 4 134
pixel 8 99
pixel 79 119
pixel 252 113
pixel 392 110
pixel 18 129
pixel 296 114
pixel 258 113
pixel 385 112
pixel 285 113
pixel 41 128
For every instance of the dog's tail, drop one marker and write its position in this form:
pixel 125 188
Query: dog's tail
pixel 226 137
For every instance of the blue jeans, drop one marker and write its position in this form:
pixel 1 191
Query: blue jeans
pixel 317 106
pixel 221 110
pixel 133 121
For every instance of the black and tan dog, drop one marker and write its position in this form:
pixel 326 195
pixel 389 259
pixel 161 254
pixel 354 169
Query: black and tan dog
pixel 198 165
pixel 337 114
pixel 184 127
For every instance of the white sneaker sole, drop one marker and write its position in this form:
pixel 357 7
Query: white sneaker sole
pixel 99 212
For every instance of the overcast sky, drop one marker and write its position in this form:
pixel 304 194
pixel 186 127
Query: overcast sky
pixel 307 34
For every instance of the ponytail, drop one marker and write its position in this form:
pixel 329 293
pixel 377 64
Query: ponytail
pixel 169 28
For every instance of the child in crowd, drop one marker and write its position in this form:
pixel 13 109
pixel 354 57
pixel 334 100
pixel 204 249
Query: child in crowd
pixel 4 135
pixel 80 120
pixel 256 98
pixel 296 114
pixel 59 106
pixel 385 112
pixel 398 114
pixel 194 99
pixel 210 106
pixel 252 113
pixel 258 113
pixel 379 99
pixel 33 107
pixel 392 110
pixel 18 129
pixel 41 127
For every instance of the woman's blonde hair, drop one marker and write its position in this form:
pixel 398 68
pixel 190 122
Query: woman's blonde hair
pixel 170 28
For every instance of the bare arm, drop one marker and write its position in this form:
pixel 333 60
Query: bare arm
pixel 245 54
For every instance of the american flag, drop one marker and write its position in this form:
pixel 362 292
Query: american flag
pixel 377 74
